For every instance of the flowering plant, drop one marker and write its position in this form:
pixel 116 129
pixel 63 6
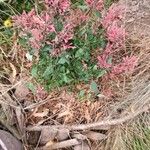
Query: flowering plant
pixel 73 40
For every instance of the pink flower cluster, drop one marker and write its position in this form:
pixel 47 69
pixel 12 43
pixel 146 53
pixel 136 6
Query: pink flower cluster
pixel 60 5
pixel 62 40
pixel 112 23
pixel 38 27
pixel 96 4
pixel 103 59
pixel 35 26
pixel 115 34
pixel 114 13
pixel 127 65
pixel 77 17
pixel 116 39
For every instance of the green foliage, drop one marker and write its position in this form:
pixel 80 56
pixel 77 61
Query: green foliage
pixel 142 141
pixel 81 94
pixel 73 66
pixel 94 87
pixel 5 36
pixel 24 5
pixel 109 2
pixel 8 9
pixel 31 87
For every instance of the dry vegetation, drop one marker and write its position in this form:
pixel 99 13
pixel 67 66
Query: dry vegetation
pixel 61 119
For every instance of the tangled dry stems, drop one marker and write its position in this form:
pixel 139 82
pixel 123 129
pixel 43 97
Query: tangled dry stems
pixel 132 106
pixel 137 103
pixel 133 119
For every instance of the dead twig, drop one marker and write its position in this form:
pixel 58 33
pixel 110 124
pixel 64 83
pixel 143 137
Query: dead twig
pixel 96 124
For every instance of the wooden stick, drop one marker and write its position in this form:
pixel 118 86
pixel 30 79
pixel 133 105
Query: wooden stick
pixel 96 124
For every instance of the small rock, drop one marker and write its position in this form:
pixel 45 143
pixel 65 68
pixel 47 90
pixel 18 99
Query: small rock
pixel 48 134
pixel 33 137
pixel 63 134
pixel 9 142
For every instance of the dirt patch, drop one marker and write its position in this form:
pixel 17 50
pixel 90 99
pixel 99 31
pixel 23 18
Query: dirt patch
pixel 137 16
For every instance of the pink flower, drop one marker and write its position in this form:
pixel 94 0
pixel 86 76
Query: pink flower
pixel 51 2
pixel 109 49
pixel 37 35
pixel 37 26
pixel 66 46
pixel 62 40
pixel 98 5
pixel 34 44
pixel 77 17
pixel 115 33
pixel 24 20
pixel 66 34
pixel 60 5
pixel 89 2
pixel 46 17
pixel 126 66
pixel 102 61
pixel 63 5
pixel 115 13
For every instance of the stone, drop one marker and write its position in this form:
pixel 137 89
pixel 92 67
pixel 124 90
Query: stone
pixel 9 142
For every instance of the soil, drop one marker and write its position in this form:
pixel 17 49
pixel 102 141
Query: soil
pixel 137 16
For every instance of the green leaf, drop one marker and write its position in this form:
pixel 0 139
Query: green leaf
pixel 34 71
pixel 103 43
pixel 58 25
pixel 97 14
pixel 79 53
pixel 65 78
pixel 95 67
pixel 31 87
pixel 94 87
pixel 108 3
pixel 47 48
pixel 47 72
pixel 83 7
pixel 62 60
pixel 109 60
pixel 81 93
pixel 101 73
pixel 23 41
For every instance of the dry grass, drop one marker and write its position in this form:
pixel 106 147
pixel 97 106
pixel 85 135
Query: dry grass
pixel 132 95
pixel 129 113
pixel 134 134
